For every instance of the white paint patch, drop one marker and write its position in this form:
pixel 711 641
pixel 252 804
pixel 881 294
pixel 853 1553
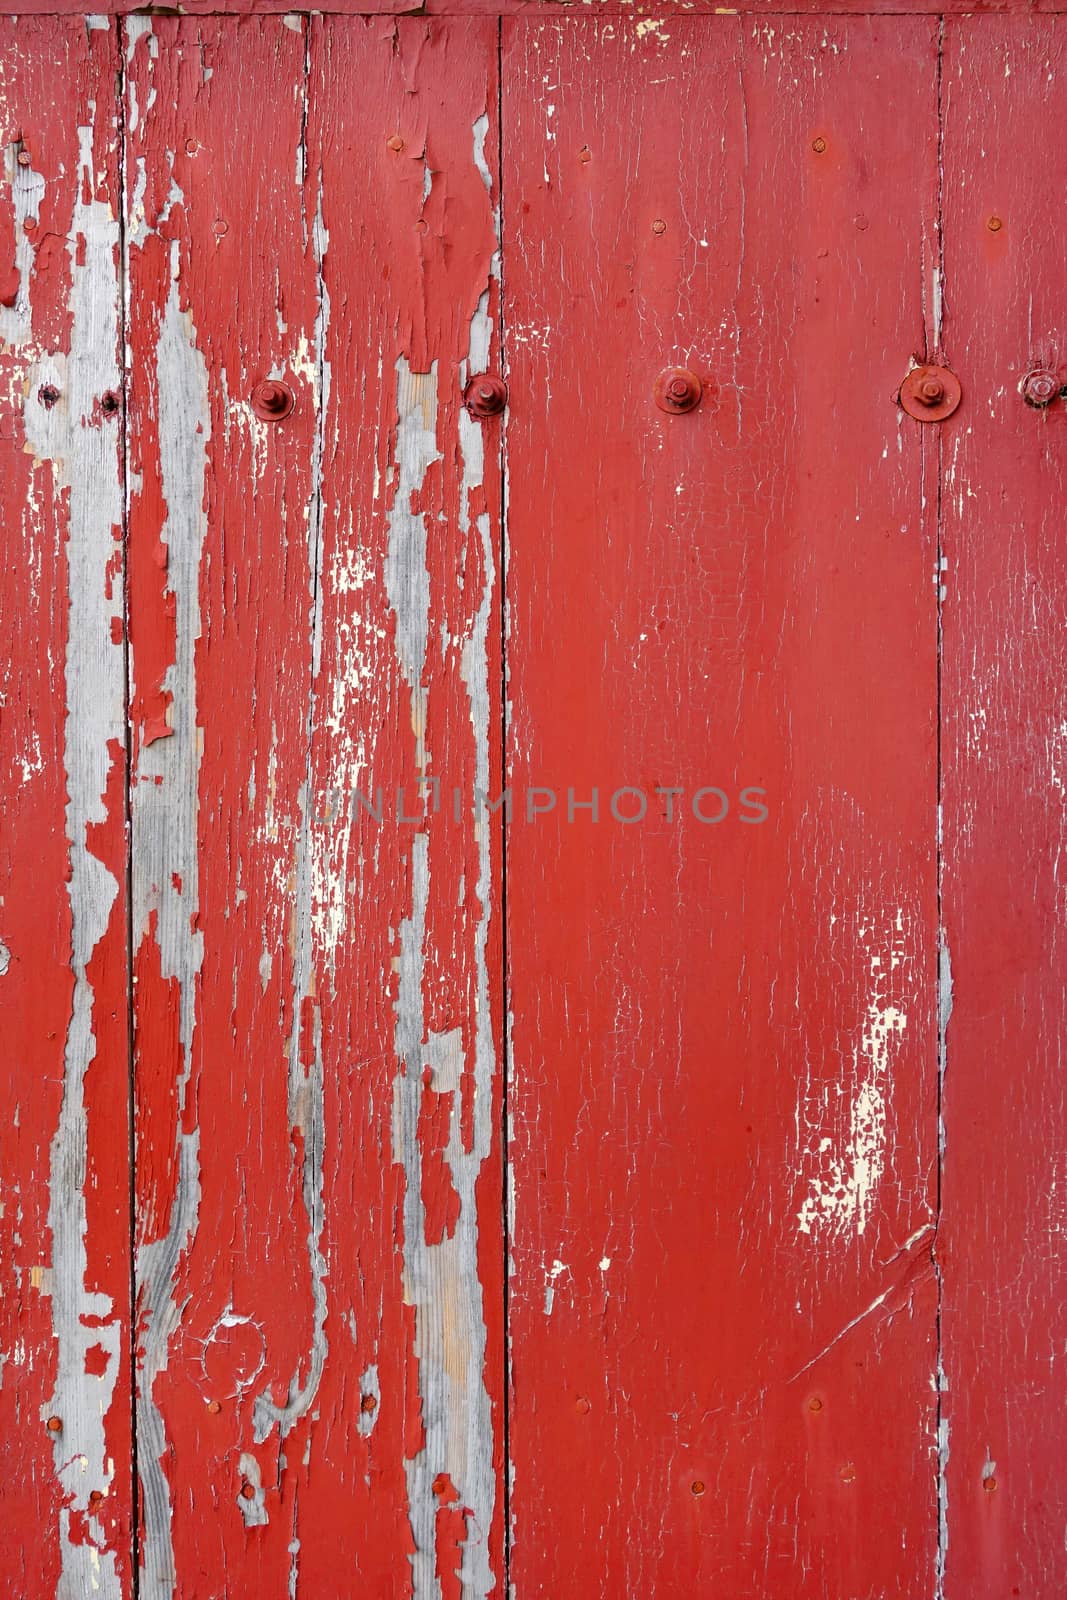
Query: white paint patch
pixel 847 1172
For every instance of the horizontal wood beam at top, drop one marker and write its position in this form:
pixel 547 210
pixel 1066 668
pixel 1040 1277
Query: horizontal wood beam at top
pixel 659 9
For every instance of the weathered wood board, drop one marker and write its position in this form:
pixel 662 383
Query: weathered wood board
pixel 723 1083
pixel 1004 696
pixel 319 1259
pixel 650 1194
pixel 64 1206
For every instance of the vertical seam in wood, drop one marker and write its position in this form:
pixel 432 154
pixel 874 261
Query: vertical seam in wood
pixel 124 448
pixel 943 975
pixel 505 1008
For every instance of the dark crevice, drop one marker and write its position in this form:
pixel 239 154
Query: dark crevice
pixel 941 978
pixel 124 473
pixel 505 1008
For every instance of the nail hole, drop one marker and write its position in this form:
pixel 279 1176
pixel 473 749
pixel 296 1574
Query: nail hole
pixel 48 394
pixel 109 403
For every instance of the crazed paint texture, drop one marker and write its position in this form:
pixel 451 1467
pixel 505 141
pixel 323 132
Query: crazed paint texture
pixel 64 1325
pixel 315 611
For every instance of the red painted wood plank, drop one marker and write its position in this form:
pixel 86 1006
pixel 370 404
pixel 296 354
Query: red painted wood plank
pixel 1002 1233
pixel 723 1104
pixel 576 9
pixel 316 608
pixel 64 1343
pixel 229 1272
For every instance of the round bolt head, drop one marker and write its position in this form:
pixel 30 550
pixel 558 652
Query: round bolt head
pixel 1040 387
pixel 930 393
pixel 677 390
pixel 485 396
pixel 272 400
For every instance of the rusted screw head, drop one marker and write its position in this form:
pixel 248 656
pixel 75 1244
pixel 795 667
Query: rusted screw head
pixel 1040 387
pixel 994 224
pixel 485 396
pixel 677 390
pixel 818 145
pixel 395 143
pixel 272 400
pixel 930 393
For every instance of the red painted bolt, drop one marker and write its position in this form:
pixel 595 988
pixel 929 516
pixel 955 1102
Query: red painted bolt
pixel 485 396
pixel 677 390
pixel 272 400
pixel 1040 386
pixel 54 1425
pixel 931 391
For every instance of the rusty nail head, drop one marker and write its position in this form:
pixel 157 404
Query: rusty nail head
pixel 214 1406
pixel 814 1404
pixel 109 402
pixel 930 393
pixel 395 143
pixel 247 1491
pixel 677 390
pixel 585 154
pixel 485 396
pixel 581 1405
pixel 48 394
pixel 24 158
pixel 95 1498
pixel 1040 387
pixel 54 1425
pixel 994 224
pixel 818 145
pixel 659 226
pixel 368 1403
pixel 698 1486
pixel 272 400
